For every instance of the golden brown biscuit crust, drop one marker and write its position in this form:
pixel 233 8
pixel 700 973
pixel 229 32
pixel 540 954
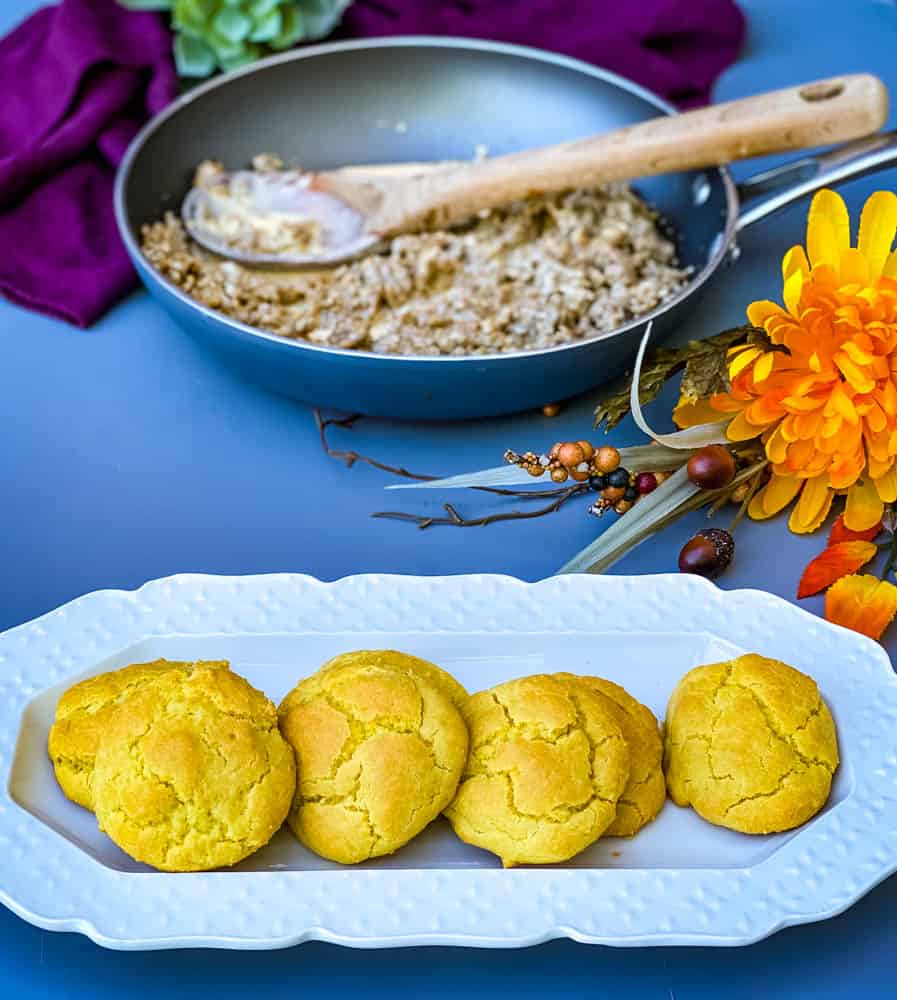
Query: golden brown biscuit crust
pixel 750 744
pixel 547 765
pixel 392 659
pixel 380 752
pixel 646 790
pixel 83 714
pixel 193 773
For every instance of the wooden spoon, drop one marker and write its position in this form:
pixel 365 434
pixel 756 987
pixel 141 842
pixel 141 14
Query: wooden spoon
pixel 355 209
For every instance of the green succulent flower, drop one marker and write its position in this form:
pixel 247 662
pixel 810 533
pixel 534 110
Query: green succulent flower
pixel 225 34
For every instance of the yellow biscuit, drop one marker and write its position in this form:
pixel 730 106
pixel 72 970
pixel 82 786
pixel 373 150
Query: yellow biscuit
pixel 750 745
pixel 380 751
pixel 192 772
pixel 646 791
pixel 392 659
pixel 547 765
pixel 83 714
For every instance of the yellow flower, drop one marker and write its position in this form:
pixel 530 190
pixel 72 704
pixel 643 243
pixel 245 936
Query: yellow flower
pixel 826 409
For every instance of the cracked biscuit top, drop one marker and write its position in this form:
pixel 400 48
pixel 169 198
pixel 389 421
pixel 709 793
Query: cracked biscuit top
pixel 192 772
pixel 392 659
pixel 750 745
pixel 547 765
pixel 646 791
pixel 380 748
pixel 83 714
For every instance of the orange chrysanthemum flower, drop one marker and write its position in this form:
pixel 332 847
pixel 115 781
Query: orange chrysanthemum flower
pixel 826 409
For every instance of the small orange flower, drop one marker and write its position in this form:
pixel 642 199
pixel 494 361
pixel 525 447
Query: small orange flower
pixel 825 408
pixel 863 603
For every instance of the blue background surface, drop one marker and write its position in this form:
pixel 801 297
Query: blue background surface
pixel 128 455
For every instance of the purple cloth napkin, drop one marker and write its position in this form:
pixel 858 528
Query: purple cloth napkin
pixel 77 82
pixel 79 79
pixel 676 48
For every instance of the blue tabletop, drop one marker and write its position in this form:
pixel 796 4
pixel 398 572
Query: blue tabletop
pixel 127 454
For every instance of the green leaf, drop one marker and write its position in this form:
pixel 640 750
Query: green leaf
pixel 706 375
pixel 267 27
pixel 223 48
pixel 232 25
pixel 193 57
pixel 146 4
pixel 292 29
pixel 261 8
pixel 193 16
pixel 249 54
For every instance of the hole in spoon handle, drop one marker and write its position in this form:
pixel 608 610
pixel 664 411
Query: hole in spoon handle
pixel 823 91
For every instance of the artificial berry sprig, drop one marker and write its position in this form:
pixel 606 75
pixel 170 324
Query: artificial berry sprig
pixel 711 468
pixel 582 462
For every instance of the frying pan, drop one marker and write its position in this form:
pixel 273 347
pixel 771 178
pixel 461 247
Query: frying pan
pixel 423 98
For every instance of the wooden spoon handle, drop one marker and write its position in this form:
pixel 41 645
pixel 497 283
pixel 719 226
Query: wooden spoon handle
pixel 812 114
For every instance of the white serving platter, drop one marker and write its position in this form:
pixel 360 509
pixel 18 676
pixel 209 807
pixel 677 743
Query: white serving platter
pixel 680 881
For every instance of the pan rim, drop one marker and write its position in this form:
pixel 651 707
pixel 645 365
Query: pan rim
pixel 715 258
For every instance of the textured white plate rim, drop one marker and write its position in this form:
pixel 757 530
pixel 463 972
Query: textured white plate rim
pixel 816 875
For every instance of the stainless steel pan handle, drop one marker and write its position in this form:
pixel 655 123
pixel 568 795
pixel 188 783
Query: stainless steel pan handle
pixel 791 181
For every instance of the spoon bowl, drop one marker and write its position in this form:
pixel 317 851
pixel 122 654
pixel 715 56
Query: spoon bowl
pixel 275 218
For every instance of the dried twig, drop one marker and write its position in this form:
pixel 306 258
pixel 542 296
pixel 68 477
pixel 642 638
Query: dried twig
pixel 351 457
pixel 456 520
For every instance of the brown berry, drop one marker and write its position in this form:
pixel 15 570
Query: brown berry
pixel 570 454
pixel 587 449
pixel 607 459
pixel 555 448
pixel 662 477
pixel 613 493
pixel 708 553
pixel 712 467
pixel 535 470
pixel 621 506
pixel 580 475
pixel 551 409
pixel 559 475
